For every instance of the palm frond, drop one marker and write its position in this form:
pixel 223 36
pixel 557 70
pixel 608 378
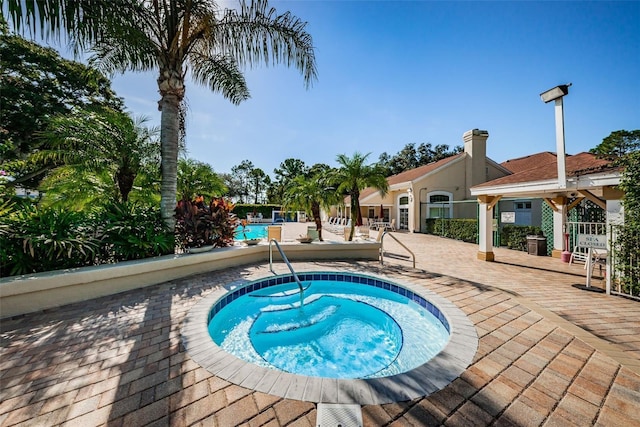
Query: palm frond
pixel 257 34
pixel 221 74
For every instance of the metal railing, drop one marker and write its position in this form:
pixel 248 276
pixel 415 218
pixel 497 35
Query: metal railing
pixel 286 261
pixel 399 242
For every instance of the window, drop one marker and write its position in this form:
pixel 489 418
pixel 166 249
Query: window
pixel 523 205
pixel 440 204
pixel 404 200
pixel 438 198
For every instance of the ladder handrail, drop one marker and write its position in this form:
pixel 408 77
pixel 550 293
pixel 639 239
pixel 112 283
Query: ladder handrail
pixel 286 261
pixel 399 242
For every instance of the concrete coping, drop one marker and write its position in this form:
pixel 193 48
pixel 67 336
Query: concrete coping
pixel 427 378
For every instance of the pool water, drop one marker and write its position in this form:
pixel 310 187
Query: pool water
pixel 343 330
pixel 252 231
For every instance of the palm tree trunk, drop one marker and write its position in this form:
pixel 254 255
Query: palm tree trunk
pixel 169 137
pixel 125 179
pixel 315 210
pixel 171 88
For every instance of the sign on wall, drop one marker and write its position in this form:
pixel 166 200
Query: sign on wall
pixel 508 217
pixel 596 241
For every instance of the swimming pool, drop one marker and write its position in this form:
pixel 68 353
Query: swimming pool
pixel 348 327
pixel 251 231
pixel 418 381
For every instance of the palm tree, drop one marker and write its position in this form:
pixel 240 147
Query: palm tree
pixel 173 37
pixel 99 150
pixel 353 176
pixel 198 179
pixel 310 194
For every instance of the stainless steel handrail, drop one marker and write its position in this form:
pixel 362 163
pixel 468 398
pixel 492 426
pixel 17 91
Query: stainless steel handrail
pixel 286 261
pixel 399 242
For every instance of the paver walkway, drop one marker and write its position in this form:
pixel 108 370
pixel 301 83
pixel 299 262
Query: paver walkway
pixel 549 354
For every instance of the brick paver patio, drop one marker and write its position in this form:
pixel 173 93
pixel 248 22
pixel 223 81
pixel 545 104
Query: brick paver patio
pixel 549 354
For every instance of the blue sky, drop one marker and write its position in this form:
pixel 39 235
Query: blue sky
pixel 397 72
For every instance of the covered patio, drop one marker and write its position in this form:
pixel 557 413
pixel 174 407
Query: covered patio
pixel 587 177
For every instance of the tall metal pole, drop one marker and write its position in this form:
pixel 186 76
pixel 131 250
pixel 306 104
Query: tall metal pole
pixel 560 150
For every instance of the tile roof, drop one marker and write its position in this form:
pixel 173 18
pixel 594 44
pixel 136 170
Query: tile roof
pixel 543 169
pixel 409 175
pixel 528 162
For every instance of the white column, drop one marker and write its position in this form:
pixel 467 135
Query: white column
pixel 485 229
pixel 559 223
pixel 615 216
pixel 412 214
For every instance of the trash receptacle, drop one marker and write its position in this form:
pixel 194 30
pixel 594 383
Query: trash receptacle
pixel 312 231
pixel 537 245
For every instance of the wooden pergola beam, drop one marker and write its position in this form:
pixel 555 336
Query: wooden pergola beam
pixel 491 201
pixel 551 204
pixel 575 203
pixel 593 198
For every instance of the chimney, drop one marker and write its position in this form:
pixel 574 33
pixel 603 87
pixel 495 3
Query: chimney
pixel 475 147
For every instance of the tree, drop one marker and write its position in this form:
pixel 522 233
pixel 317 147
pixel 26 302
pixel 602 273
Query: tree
pixel 310 194
pixel 353 176
pixel 97 150
pixel 36 84
pixel 171 38
pixel 288 170
pixel 618 144
pixel 259 181
pixel 411 157
pixel 242 174
pixel 623 148
pixel 198 179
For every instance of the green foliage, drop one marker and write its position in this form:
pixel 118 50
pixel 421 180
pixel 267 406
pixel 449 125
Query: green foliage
pixel 355 175
pixel 198 179
pixel 99 149
pixel 628 242
pixel 515 236
pixel 36 84
pixel 459 229
pixel 199 224
pixel 49 239
pixel 618 144
pixel 410 158
pixel 34 239
pixel 130 231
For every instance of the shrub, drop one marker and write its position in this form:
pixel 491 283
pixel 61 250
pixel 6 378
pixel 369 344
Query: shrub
pixel 515 236
pixel 198 224
pixel 460 229
pixel 38 240
pixel 130 231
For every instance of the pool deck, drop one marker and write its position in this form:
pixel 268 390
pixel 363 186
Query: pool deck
pixel 549 353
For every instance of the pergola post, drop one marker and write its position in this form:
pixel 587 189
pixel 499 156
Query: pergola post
pixel 485 227
pixel 559 226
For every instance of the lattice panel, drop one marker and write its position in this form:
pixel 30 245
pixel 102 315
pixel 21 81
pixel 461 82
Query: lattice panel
pixel 547 226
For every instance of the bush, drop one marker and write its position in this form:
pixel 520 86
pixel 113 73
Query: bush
pixel 41 240
pixel 129 231
pixel 198 224
pixel 459 229
pixel 515 236
pixel 34 240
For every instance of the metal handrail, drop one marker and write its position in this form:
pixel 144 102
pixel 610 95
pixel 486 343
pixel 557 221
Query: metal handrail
pixel 286 261
pixel 399 242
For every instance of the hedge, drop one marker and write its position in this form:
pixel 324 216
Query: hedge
pixel 459 229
